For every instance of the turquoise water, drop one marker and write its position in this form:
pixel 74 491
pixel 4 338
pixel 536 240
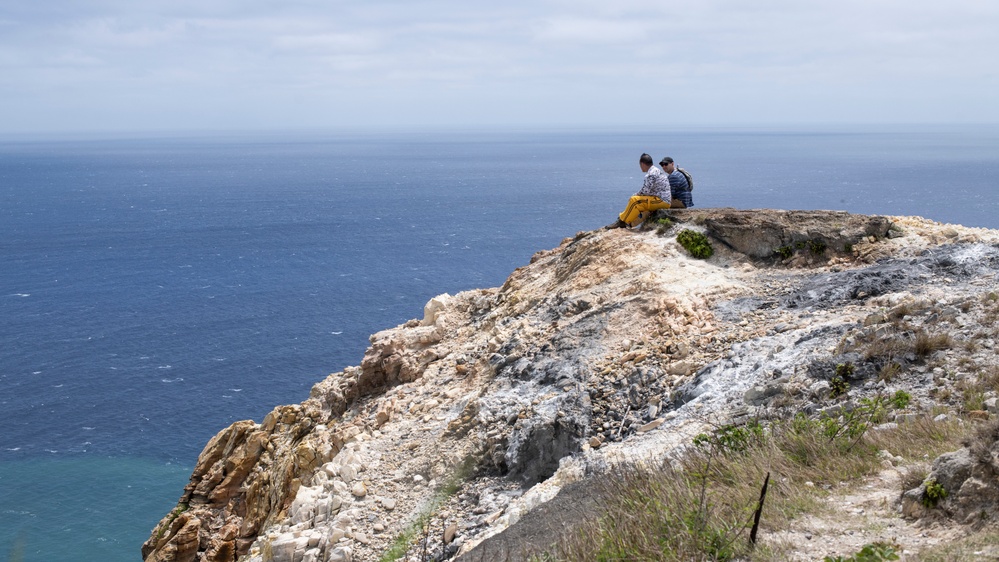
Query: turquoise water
pixel 84 508
pixel 155 290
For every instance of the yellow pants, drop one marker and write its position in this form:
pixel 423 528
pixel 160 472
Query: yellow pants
pixel 639 207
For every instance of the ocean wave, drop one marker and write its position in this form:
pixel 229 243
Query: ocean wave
pixel 172 380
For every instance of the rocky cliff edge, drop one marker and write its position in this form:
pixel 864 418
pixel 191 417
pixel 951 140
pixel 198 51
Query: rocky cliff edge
pixel 614 347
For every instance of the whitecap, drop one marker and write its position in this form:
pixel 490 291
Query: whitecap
pixel 171 380
pixel 165 367
pixel 36 372
pixel 22 295
pixel 13 449
pixel 236 389
pixel 336 333
pixel 51 451
pixel 88 428
pixel 57 386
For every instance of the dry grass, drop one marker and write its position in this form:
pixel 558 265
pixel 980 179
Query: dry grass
pixel 924 343
pixel 972 548
pixel 700 506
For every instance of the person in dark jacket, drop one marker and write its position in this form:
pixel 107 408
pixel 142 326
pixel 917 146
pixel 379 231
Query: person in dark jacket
pixel 681 195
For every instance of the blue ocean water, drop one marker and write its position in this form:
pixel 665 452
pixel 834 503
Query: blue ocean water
pixel 154 290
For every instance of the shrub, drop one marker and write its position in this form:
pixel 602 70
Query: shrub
pixel 731 438
pixel 838 386
pixel 817 246
pixel 695 243
pixel 875 552
pixel 901 399
pixel 663 225
pixel 784 252
pixel 933 493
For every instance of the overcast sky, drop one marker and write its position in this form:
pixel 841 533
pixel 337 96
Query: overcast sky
pixel 72 65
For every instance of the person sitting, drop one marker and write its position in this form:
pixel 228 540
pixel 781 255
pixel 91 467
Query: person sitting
pixel 652 196
pixel 681 195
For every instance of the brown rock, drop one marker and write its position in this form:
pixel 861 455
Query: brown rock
pixel 179 543
pixel 651 425
pixel 450 532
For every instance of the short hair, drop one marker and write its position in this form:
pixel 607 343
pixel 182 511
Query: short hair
pixel 665 161
pixel 645 159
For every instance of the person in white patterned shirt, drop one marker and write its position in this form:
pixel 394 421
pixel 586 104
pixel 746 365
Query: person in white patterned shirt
pixel 654 195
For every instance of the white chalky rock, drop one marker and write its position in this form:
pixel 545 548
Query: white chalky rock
pixel 303 507
pixel 340 554
pixel 348 473
pixel 285 546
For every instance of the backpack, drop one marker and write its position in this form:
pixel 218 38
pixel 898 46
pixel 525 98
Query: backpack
pixel 690 180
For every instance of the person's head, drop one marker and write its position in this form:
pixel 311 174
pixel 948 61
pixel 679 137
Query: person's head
pixel 645 161
pixel 667 164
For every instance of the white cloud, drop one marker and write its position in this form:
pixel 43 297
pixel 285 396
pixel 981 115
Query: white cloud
pixel 555 61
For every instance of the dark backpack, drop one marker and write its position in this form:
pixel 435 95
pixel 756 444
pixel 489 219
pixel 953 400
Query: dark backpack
pixel 690 180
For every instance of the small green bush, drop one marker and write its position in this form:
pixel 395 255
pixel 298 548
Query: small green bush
pixel 817 246
pixel 695 243
pixel 838 386
pixel 933 494
pixel 663 225
pixel 784 252
pixel 901 399
pixel 732 438
pixel 876 552
pixel 844 370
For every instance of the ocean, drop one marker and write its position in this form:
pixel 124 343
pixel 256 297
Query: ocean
pixel 154 289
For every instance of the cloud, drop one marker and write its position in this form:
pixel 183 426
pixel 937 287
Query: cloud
pixel 546 61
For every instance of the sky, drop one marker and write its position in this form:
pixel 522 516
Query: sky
pixel 127 65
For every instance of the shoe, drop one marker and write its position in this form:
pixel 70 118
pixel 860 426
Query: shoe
pixel 619 224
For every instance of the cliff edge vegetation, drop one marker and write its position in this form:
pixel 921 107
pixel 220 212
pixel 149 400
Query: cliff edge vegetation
pixel 544 419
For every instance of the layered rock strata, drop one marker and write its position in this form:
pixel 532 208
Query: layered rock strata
pixel 615 346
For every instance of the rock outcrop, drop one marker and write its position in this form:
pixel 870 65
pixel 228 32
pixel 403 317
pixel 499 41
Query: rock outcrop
pixel 614 346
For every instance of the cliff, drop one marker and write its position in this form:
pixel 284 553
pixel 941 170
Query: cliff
pixel 614 347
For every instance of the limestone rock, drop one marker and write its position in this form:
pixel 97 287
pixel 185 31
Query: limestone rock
pixel 596 342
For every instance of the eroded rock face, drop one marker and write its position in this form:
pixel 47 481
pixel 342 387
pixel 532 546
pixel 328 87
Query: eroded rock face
pixel 612 347
pixel 762 234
